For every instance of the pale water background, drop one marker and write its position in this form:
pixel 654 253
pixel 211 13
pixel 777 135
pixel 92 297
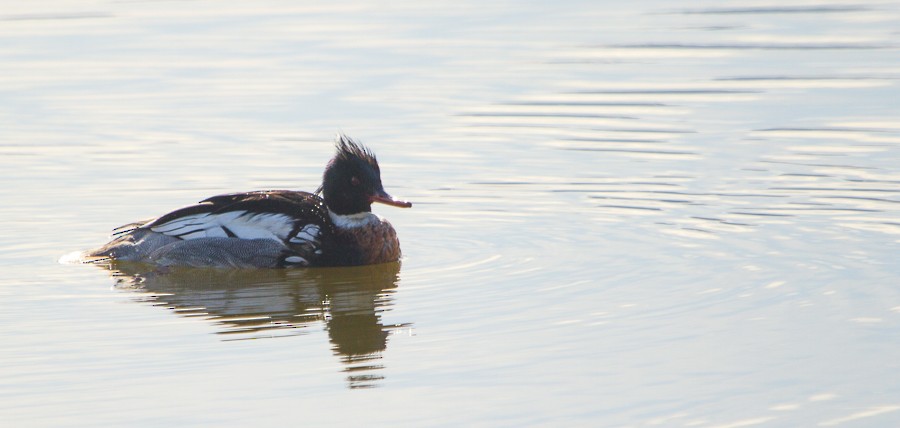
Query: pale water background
pixel 626 213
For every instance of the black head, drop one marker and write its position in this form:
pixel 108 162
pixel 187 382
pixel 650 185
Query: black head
pixel 352 180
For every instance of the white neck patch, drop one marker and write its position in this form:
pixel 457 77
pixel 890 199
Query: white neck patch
pixel 349 221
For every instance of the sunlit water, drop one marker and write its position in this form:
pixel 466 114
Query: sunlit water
pixel 625 214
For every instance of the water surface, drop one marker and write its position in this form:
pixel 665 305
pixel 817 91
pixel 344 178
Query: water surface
pixel 634 215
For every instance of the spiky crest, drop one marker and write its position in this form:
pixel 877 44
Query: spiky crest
pixel 348 149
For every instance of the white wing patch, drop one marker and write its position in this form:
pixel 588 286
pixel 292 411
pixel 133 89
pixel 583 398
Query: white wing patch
pixel 261 226
pixel 173 227
pixel 309 234
pixel 240 224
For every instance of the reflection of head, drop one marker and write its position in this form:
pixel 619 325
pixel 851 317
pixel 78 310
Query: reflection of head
pixel 259 303
pixel 354 335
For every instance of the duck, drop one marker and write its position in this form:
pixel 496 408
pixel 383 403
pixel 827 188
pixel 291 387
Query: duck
pixel 333 226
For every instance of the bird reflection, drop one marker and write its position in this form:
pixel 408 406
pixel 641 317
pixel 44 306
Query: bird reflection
pixel 254 304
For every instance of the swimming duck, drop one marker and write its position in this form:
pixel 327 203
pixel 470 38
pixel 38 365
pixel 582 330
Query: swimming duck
pixel 334 226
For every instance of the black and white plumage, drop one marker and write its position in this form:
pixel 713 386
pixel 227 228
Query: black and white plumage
pixel 274 228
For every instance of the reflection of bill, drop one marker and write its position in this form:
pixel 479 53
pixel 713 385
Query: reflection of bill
pixel 251 304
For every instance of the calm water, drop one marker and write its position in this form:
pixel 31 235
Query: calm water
pixel 640 214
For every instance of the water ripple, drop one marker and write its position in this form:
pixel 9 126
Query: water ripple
pixel 750 10
pixel 757 46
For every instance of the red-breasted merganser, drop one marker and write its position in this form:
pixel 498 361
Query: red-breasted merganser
pixel 273 228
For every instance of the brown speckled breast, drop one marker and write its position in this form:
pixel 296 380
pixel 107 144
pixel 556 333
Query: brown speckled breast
pixel 378 242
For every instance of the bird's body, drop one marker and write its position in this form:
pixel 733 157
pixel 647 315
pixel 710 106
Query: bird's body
pixel 273 228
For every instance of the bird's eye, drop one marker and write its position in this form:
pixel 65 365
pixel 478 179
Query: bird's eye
pixel 354 181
